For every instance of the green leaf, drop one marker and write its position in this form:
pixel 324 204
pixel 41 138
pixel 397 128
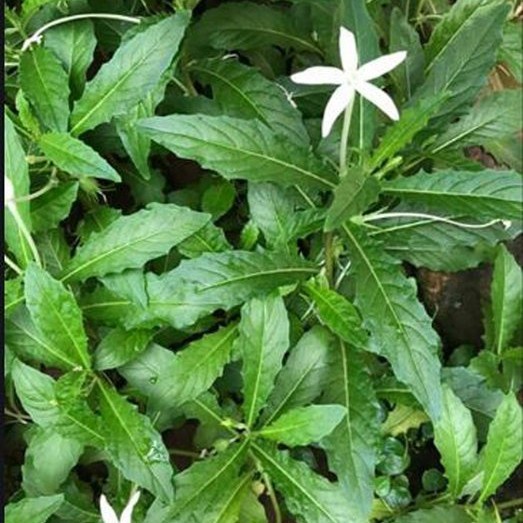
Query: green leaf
pixel 354 194
pixel 304 425
pixel 503 452
pixel 301 379
pixel 57 316
pixel 245 149
pixel 506 292
pixel 246 25
pixel 461 52
pixel 264 339
pixel 134 446
pixel 204 489
pixel 338 314
pixel 46 86
pixel 132 72
pixel 36 510
pixel 455 439
pixel 400 328
pixel 162 375
pixel 48 210
pixel 218 198
pixel 13 294
pixel 449 514
pixel 487 194
pixel 510 53
pixel 243 92
pixel 48 461
pixel 307 494
pixel 208 239
pixel 73 44
pixel 26 114
pixel 131 241
pixel 119 347
pixel 402 418
pixel 216 281
pixel 75 157
pixel 129 284
pixel 351 448
pixel 54 250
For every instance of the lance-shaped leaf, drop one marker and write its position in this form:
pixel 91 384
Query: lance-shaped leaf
pixel 134 69
pixel 455 439
pixel 205 488
pixel 75 157
pixel 243 92
pixel 130 241
pixel 56 315
pixel 449 514
pixel 134 445
pixel 484 194
pixel 119 347
pixel 507 287
pixel 49 209
pixel 301 379
pixel 351 448
pixel 304 425
pixel 307 494
pixel 264 339
pixel 36 510
pixel 400 328
pixel 208 239
pixel 216 281
pixel 235 148
pixel 46 86
pixel 503 452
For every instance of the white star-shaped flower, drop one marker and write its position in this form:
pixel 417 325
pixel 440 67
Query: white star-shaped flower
pixel 109 515
pixel 351 79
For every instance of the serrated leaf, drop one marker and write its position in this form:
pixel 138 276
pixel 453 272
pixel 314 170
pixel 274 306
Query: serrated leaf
pixel 301 379
pixel 402 418
pixel 263 341
pixel 36 510
pixel 54 250
pixel 244 149
pixel 502 452
pixel 338 314
pixel 48 210
pixel 400 328
pixel 131 241
pixel 46 86
pixel 132 72
pixel 455 439
pixel 134 446
pixel 449 514
pixel 307 494
pixel 304 425
pixel 208 239
pixel 487 194
pixel 216 281
pixel 243 92
pixel 26 114
pixel 129 284
pixel 506 292
pixel 351 448
pixel 56 315
pixel 73 44
pixel 75 157
pixel 119 347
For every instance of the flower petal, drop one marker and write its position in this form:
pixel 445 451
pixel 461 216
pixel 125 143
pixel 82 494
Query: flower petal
pixel 381 65
pixel 107 512
pixel 337 103
pixel 379 98
pixel 319 75
pixel 128 510
pixel 348 50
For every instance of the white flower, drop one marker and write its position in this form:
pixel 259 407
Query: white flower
pixel 351 79
pixel 109 515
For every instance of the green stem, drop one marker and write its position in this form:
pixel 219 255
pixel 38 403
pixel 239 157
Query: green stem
pixel 13 265
pixel 27 235
pixel 510 504
pixel 270 490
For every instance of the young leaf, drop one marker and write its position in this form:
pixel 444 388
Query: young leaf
pixel 36 510
pixel 485 194
pixel 245 149
pixel 455 439
pixel 307 494
pixel 49 209
pixel 400 328
pixel 131 241
pixel 75 157
pixel 119 347
pixel 56 315
pixel 304 425
pixel 134 446
pixel 264 339
pixel 132 72
pixel 46 86
pixel 351 447
pixel 507 287
pixel 503 452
